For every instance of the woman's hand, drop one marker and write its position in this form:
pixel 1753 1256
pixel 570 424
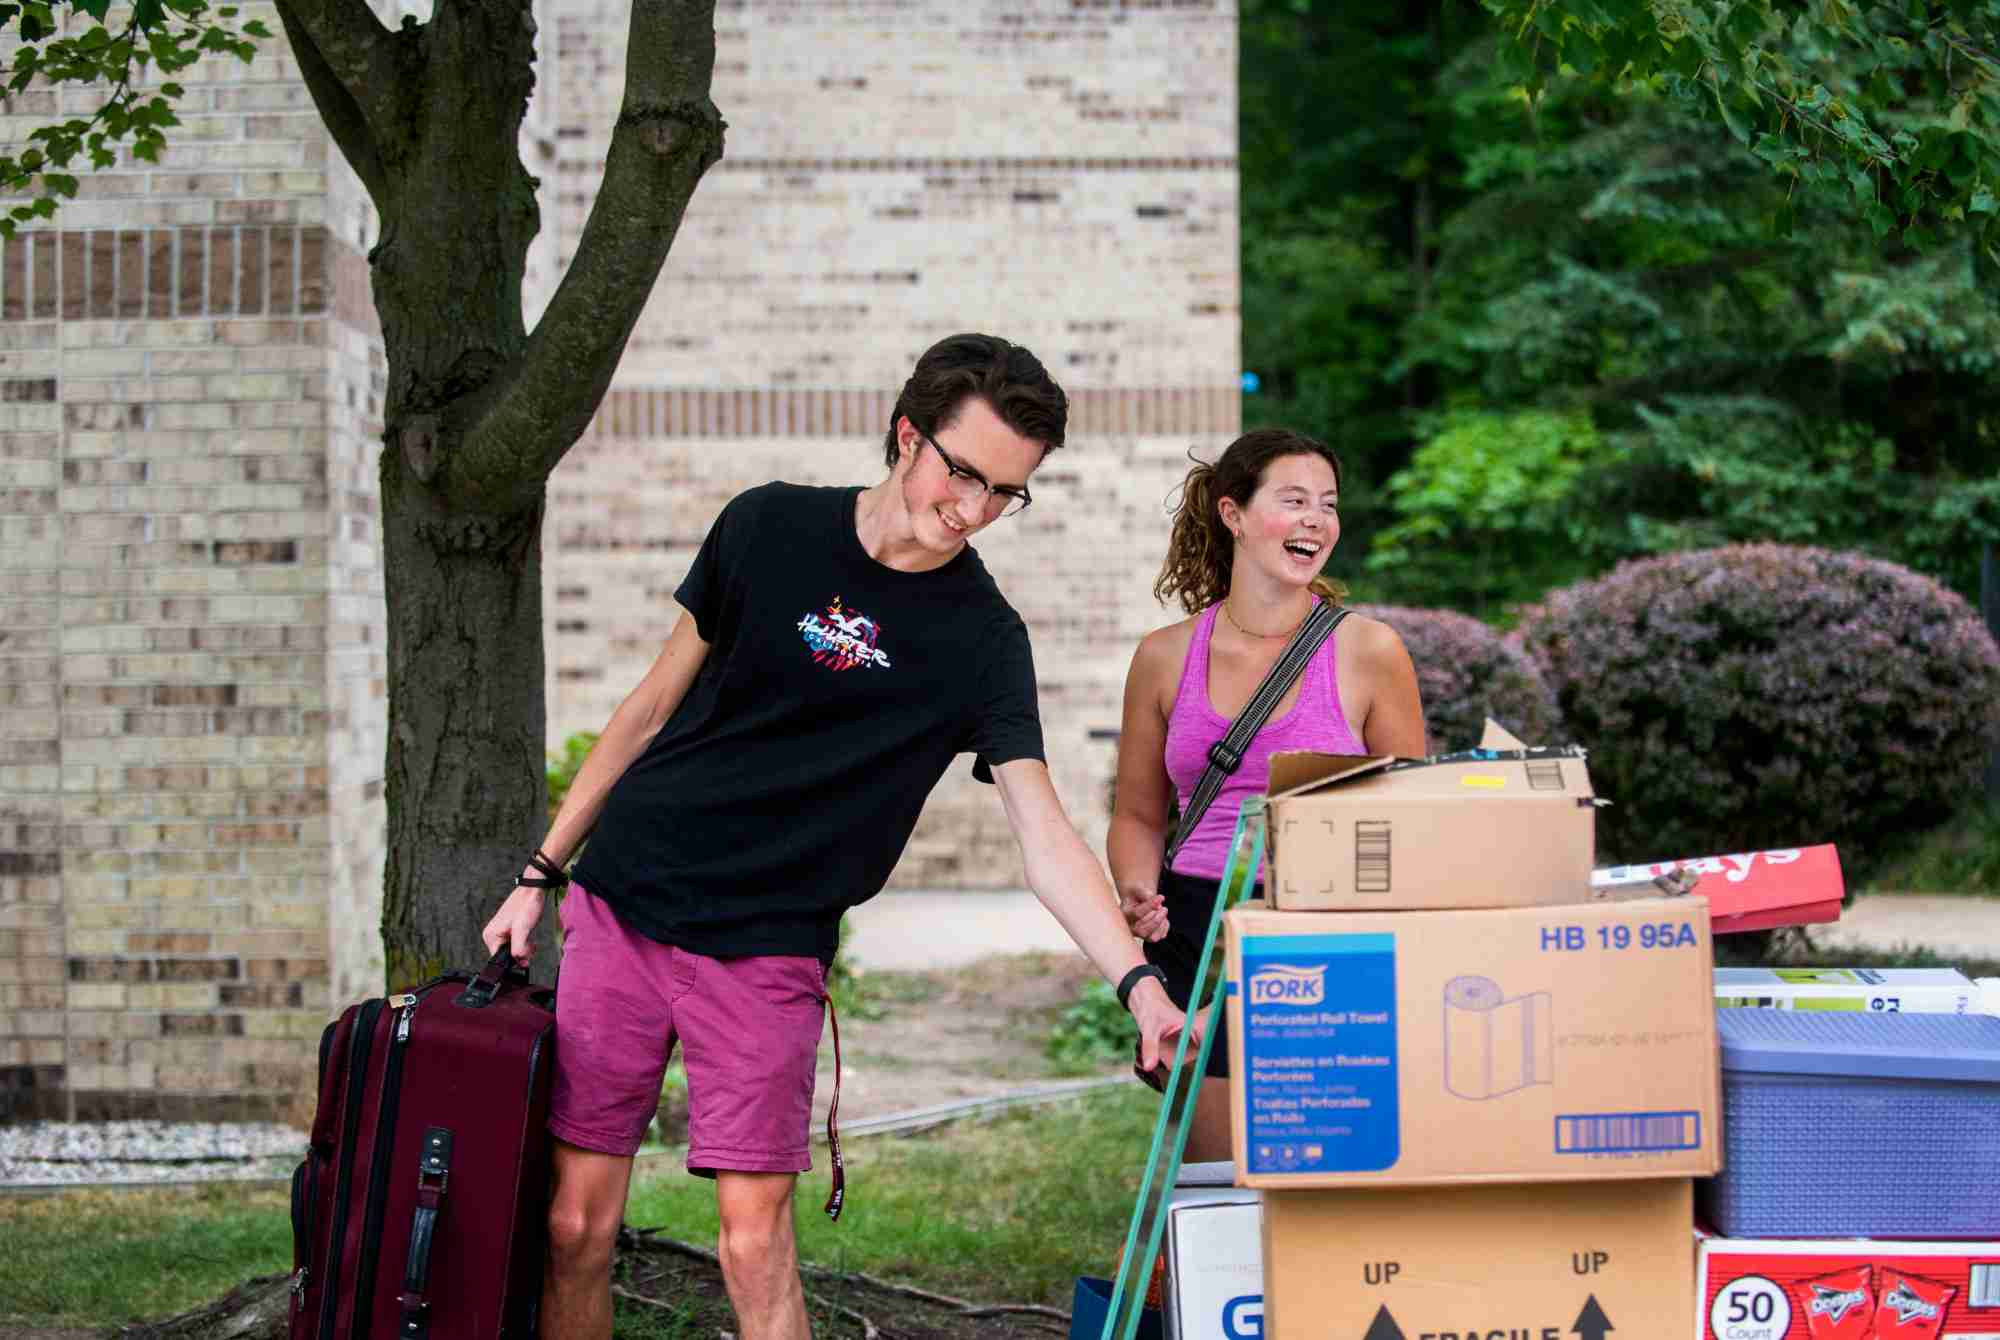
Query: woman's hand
pixel 1145 912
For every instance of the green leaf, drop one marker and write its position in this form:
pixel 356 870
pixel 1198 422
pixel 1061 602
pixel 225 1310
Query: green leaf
pixel 146 14
pixel 1982 202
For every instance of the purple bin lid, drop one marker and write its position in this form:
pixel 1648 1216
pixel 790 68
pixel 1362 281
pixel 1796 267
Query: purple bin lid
pixel 1963 1047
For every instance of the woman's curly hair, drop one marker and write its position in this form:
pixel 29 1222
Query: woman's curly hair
pixel 1201 550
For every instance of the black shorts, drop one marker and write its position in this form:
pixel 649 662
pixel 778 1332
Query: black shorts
pixel 1190 903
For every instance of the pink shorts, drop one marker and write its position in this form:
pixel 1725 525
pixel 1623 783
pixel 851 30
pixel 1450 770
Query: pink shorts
pixel 748 1030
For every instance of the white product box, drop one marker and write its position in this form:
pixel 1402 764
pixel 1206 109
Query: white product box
pixel 1215 1257
pixel 1892 990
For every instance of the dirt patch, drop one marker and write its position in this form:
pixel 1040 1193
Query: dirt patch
pixel 971 1032
pixel 660 1291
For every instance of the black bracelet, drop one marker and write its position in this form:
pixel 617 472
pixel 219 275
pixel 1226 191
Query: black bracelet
pixel 1132 979
pixel 553 875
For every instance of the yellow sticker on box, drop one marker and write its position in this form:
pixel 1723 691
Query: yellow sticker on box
pixel 1482 779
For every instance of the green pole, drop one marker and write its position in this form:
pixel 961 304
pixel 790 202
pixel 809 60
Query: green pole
pixel 1128 1294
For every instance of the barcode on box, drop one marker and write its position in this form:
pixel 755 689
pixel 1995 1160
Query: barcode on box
pixel 1982 1286
pixel 1371 856
pixel 1627 1132
pixel 1547 775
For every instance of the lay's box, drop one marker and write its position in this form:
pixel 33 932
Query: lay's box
pixel 1529 1044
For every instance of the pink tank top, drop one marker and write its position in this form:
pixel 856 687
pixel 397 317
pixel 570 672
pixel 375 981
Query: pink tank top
pixel 1315 721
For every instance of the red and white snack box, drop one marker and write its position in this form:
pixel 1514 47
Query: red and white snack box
pixel 1749 891
pixel 1852 1289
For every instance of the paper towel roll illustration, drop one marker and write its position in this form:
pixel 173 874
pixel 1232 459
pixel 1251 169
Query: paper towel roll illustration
pixel 1493 1045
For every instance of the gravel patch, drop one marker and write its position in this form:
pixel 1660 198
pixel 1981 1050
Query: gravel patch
pixel 78 1153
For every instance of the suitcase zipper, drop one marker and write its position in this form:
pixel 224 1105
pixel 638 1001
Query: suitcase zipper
pixel 362 1042
pixel 302 1194
pixel 385 1150
pixel 302 1227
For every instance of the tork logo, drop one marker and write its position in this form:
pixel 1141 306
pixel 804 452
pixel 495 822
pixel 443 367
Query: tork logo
pixel 1285 984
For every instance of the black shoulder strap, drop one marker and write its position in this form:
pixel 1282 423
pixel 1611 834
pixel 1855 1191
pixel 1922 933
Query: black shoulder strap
pixel 1225 756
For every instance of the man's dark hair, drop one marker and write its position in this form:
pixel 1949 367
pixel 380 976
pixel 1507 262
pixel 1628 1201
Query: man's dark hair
pixel 1004 375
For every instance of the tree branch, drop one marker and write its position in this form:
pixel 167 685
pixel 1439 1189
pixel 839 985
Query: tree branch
pixel 343 91
pixel 668 134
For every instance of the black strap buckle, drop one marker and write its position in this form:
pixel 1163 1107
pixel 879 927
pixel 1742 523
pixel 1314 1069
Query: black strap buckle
pixel 1222 756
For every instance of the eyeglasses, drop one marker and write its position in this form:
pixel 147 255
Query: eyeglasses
pixel 968 485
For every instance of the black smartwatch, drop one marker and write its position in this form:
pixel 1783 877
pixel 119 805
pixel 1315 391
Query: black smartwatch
pixel 1133 978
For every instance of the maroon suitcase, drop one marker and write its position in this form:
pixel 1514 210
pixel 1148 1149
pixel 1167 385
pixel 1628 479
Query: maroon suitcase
pixel 420 1209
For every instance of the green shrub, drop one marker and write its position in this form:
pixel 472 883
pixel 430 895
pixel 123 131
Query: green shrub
pixel 1092 1033
pixel 1766 696
pixel 563 767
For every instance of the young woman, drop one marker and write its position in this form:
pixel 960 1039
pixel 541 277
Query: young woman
pixel 1250 536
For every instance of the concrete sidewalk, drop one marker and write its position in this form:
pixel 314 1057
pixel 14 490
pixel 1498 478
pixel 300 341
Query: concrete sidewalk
pixel 914 930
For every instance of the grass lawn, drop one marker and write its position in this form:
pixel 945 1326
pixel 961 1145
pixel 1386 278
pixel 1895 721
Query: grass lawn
pixel 100 1258
pixel 1008 1210
pixel 1012 1209
pixel 1961 855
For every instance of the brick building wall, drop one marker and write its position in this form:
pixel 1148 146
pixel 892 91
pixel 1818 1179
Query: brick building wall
pixel 181 761
pixel 1060 173
pixel 191 379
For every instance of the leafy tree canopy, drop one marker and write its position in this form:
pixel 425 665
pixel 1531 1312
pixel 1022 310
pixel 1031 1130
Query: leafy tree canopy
pixel 133 55
pixel 1894 101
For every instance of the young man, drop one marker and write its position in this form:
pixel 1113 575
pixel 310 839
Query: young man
pixel 839 648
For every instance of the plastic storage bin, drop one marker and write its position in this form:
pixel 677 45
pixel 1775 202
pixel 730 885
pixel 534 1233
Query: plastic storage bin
pixel 1858 1125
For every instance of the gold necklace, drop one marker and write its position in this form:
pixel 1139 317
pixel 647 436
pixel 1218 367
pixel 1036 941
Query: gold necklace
pixel 1267 637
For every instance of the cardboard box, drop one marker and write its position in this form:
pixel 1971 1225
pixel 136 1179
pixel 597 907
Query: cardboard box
pixel 1748 891
pixel 1507 1044
pixel 1884 990
pixel 1803 1289
pixel 1585 1261
pixel 1498 826
pixel 1215 1257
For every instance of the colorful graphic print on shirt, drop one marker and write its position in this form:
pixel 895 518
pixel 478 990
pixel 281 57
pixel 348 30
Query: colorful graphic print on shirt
pixel 842 638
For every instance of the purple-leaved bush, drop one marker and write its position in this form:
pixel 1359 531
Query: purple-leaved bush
pixel 1466 673
pixel 1769 696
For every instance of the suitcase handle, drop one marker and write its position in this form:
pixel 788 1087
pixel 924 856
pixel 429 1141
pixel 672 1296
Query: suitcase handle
pixel 482 990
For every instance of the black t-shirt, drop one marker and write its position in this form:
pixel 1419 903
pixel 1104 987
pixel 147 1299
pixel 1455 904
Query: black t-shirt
pixel 835 693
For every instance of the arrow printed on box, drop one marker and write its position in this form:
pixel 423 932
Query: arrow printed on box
pixel 1384 1327
pixel 1591 1323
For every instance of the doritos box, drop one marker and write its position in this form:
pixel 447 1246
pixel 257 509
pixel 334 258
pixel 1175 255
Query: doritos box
pixel 1807 1289
pixel 1503 825
pixel 1748 891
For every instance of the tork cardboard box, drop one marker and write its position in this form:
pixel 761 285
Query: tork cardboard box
pixel 1588 1260
pixel 1539 1044
pixel 1498 826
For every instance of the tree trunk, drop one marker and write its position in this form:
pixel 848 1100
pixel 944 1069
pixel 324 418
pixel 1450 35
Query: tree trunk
pixel 478 411
pixel 465 785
